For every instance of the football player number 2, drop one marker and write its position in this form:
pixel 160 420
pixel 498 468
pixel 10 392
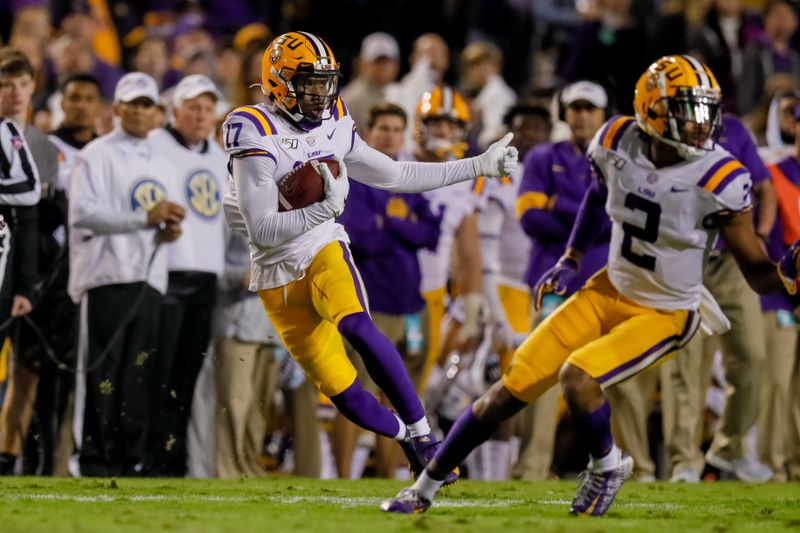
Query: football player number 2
pixel 649 233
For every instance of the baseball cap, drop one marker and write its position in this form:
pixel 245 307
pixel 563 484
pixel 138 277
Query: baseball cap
pixel 136 85
pixel 584 90
pixel 377 45
pixel 192 87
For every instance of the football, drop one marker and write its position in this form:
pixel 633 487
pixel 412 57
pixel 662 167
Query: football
pixel 304 185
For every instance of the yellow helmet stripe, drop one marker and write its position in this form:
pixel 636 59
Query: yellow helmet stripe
pixel 688 67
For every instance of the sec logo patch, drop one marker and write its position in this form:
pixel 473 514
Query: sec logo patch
pixel 146 193
pixel 202 194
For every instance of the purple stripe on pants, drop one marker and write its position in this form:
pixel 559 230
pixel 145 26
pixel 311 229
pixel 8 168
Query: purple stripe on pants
pixel 354 274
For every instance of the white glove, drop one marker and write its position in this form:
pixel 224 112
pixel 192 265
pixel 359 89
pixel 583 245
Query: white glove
pixel 336 189
pixel 499 159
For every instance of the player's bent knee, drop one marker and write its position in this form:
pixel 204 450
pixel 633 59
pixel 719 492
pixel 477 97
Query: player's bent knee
pixel 355 324
pixel 573 379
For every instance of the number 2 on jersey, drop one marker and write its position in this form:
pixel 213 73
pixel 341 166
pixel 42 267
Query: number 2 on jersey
pixel 649 233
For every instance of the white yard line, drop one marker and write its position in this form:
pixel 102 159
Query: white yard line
pixel 341 501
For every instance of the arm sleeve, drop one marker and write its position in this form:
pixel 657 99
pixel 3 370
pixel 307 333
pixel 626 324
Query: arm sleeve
pixel 89 207
pixel 370 166
pixel 25 235
pixel 257 195
pixel 19 176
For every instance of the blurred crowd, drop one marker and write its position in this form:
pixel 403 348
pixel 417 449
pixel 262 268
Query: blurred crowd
pixel 162 363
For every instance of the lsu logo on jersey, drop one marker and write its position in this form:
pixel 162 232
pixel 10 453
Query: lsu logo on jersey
pixel 202 193
pixel 146 193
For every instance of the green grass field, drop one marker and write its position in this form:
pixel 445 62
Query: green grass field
pixel 292 504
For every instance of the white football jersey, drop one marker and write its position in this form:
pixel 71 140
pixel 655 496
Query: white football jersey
pixel 198 187
pixel 513 246
pixel 663 219
pixel 255 130
pixel 456 202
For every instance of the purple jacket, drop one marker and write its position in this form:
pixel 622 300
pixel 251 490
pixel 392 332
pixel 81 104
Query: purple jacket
pixel 559 170
pixel 386 230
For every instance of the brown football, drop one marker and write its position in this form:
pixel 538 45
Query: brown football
pixel 304 186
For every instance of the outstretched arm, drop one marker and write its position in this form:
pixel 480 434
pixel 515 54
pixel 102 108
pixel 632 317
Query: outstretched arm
pixel 591 218
pixel 371 167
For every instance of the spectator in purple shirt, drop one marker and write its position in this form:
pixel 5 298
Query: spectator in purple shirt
pixel 778 443
pixel 386 230
pixel 555 180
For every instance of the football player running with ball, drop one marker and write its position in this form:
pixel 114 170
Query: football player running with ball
pixel 669 190
pixel 302 267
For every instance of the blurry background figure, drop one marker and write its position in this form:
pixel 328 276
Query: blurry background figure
pixel 505 250
pixel 481 82
pixel 195 263
pixel 770 66
pixel 778 140
pixel 377 67
pixel 429 61
pixel 720 40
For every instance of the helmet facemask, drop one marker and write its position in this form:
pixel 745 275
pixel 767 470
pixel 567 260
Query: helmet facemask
pixel 310 94
pixel 692 120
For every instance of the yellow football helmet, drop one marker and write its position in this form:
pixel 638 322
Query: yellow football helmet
pixel 299 69
pixel 679 102
pixel 442 103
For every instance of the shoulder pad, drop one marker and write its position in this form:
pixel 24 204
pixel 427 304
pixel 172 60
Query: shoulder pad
pixel 339 110
pixel 611 133
pixel 721 173
pixel 245 131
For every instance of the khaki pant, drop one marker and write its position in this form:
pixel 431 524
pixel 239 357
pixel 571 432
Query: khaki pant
pixel 685 377
pixel 793 440
pixel 781 349
pixel 306 428
pixel 246 376
pixel 631 404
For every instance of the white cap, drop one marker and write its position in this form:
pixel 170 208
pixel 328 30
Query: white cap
pixel 136 85
pixel 585 90
pixel 377 45
pixel 192 87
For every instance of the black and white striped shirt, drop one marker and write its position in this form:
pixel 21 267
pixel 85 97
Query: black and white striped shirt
pixel 19 177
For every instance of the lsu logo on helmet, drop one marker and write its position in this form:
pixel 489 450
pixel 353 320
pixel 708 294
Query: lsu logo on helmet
pixel 678 101
pixel 298 64
pixel 202 193
pixel 146 193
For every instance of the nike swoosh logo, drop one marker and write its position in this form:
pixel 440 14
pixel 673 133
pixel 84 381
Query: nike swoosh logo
pixel 331 135
pixel 678 189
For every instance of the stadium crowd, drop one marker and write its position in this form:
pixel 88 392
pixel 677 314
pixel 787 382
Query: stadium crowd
pixel 153 358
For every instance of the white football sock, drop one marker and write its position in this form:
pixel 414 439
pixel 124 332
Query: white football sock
pixel 496 459
pixel 608 462
pixel 402 432
pixel 426 486
pixel 420 428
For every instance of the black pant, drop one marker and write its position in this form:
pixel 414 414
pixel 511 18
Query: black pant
pixel 184 335
pixel 117 376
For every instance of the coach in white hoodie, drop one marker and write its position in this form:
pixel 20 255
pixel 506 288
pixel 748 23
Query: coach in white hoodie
pixel 118 217
pixel 195 262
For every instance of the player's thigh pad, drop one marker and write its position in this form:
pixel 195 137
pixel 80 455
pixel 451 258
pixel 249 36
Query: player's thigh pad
pixel 312 340
pixel 336 287
pixel 643 338
pixel 535 364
